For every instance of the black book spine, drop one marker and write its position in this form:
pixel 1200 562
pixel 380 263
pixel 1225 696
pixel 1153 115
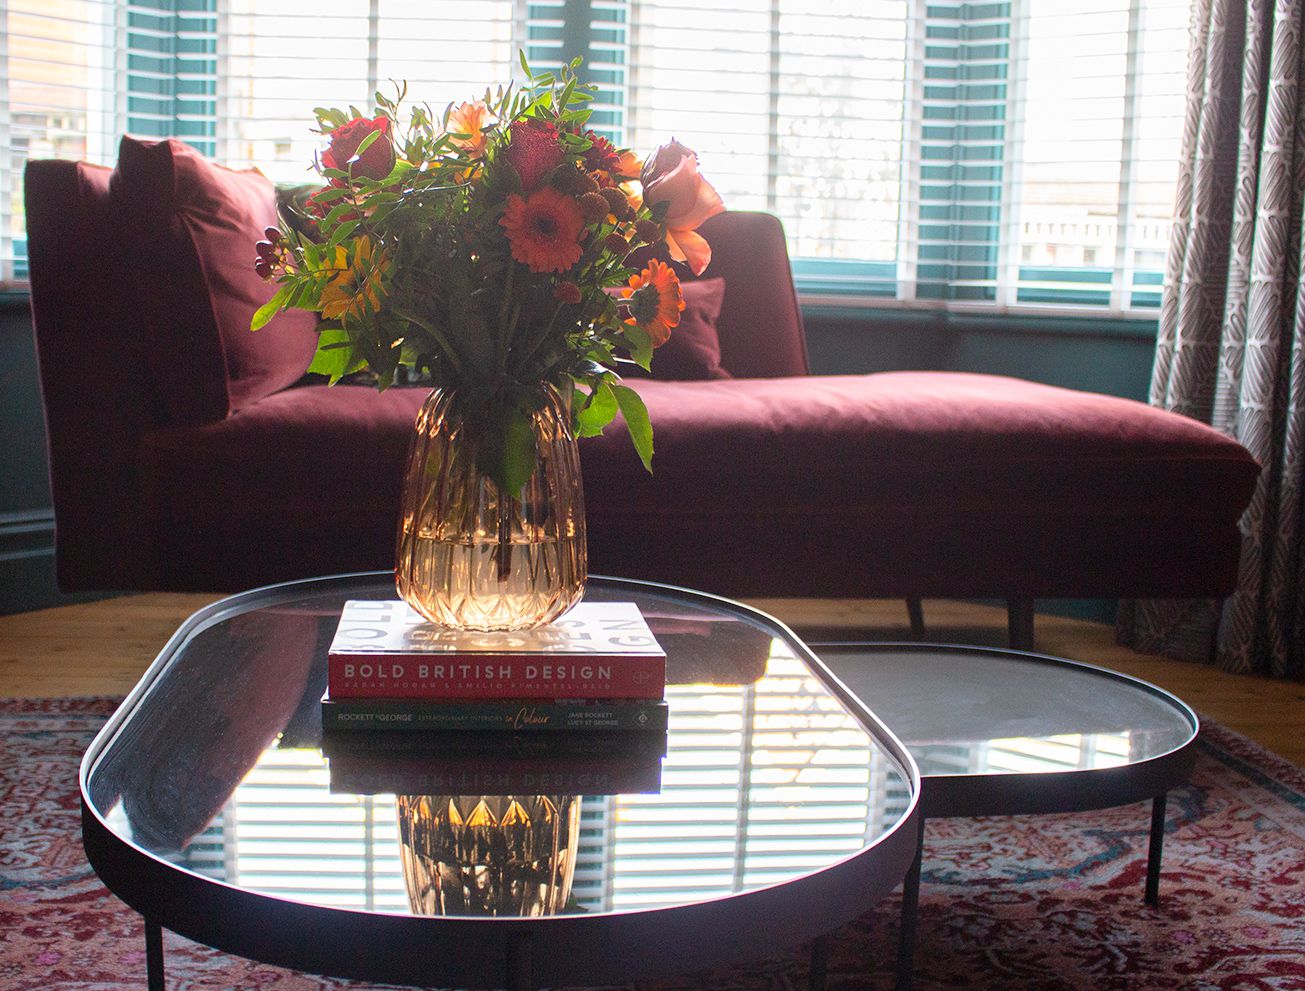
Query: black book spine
pixel 528 716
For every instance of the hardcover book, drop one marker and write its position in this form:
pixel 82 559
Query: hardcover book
pixel 359 772
pixel 494 715
pixel 598 650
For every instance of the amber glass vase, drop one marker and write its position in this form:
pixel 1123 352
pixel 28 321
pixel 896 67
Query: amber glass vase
pixel 509 855
pixel 472 557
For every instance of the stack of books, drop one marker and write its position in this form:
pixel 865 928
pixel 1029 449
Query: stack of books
pixel 596 669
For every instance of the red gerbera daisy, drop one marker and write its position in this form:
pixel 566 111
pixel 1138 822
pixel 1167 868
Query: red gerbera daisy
pixel 544 229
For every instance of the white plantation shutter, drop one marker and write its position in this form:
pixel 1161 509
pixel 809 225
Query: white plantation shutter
pixel 1098 143
pixel 793 107
pixel 945 153
pixel 940 153
pixel 283 58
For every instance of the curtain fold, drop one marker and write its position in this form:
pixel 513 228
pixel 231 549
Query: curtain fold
pixel 1229 350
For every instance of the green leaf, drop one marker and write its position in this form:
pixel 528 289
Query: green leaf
pixel 335 355
pixel 342 231
pixel 598 411
pixel 363 145
pixel 330 194
pixel 264 314
pixel 640 345
pixel 508 453
pixel 338 211
pixel 637 422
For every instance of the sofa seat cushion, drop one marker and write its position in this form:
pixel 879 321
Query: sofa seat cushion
pixel 935 441
pixel 887 484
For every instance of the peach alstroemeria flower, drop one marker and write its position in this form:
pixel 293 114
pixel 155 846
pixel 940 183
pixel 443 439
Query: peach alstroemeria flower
pixel 470 119
pixel 670 176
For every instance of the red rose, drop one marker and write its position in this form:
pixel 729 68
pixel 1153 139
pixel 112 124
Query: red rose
pixel 377 162
pixel 533 150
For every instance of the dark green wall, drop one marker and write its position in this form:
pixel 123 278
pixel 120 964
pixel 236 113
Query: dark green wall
pixel 26 519
pixel 1095 355
pixel 1112 357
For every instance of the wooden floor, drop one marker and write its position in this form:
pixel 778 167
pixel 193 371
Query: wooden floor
pixel 101 648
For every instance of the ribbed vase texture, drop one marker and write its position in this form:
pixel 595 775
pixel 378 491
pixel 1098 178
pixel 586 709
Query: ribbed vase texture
pixel 510 855
pixel 472 557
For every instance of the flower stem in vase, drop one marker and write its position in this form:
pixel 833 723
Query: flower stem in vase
pixel 503 550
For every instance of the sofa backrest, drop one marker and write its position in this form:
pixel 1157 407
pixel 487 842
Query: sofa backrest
pixel 760 325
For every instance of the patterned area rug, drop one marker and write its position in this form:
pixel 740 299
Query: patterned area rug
pixel 1017 904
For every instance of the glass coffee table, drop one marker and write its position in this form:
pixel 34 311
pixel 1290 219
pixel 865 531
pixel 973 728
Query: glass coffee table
pixel 1002 732
pixel 775 809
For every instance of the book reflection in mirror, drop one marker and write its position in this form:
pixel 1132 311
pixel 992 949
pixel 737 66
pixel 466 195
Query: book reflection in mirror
pixel 408 774
pixel 488 855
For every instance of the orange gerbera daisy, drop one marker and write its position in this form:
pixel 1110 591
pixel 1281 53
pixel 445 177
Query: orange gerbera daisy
pixel 655 301
pixel 355 287
pixel 470 119
pixel 544 229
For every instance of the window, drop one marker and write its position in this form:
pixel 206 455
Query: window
pixel 945 153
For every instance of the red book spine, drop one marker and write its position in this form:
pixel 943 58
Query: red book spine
pixel 488 676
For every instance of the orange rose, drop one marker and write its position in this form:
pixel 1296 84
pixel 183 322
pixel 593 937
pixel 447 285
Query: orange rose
pixel 670 176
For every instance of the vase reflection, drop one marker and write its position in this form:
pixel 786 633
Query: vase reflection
pixel 495 855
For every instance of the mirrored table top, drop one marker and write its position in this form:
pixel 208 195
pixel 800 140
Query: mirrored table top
pixel 1020 720
pixel 219 766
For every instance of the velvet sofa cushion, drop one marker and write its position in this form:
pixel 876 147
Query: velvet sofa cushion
pixel 884 484
pixel 188 229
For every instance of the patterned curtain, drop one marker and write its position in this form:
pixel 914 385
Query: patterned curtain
pixel 1230 349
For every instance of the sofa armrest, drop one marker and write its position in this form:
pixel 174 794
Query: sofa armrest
pixel 760 326
pixel 93 382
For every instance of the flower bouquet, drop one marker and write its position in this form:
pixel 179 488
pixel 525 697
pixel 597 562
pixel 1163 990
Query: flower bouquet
pixel 489 248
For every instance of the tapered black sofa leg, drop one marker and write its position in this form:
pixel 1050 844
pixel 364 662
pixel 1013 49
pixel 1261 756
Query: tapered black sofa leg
pixel 1019 614
pixel 915 610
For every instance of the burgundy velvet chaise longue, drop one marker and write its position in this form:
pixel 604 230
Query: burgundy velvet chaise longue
pixel 189 454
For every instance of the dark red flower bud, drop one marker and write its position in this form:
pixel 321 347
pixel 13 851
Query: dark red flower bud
pixel 266 250
pixel 648 231
pixel 263 268
pixel 616 244
pixel 617 201
pixel 273 234
pixel 567 292
pixel 594 207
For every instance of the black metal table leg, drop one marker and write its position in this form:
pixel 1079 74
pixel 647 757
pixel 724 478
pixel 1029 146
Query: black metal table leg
pixel 910 914
pixel 154 954
pixel 518 963
pixel 819 964
pixel 1156 849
